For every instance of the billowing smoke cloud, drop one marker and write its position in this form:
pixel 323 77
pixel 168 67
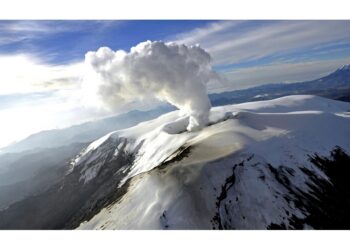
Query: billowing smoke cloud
pixel 169 72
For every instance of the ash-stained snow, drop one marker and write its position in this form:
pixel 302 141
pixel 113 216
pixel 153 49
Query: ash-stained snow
pixel 151 143
pixel 239 172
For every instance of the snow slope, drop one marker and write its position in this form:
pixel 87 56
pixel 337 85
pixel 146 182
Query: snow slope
pixel 247 170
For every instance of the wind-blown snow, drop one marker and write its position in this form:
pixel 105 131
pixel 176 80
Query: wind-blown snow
pixel 280 132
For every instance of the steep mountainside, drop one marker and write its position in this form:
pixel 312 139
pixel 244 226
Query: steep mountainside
pixel 272 164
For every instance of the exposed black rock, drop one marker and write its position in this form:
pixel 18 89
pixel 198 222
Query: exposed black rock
pixel 327 206
pixel 217 221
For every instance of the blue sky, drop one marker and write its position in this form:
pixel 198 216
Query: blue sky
pixel 234 45
pixel 42 61
pixel 68 41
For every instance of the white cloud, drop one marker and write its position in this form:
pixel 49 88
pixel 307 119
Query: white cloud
pixel 25 26
pixel 227 42
pixel 61 109
pixel 238 42
pixel 200 34
pixel 169 72
pixel 17 31
pixel 25 74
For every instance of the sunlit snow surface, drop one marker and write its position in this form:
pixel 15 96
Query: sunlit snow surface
pixel 168 189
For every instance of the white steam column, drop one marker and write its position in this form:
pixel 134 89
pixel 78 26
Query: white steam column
pixel 169 72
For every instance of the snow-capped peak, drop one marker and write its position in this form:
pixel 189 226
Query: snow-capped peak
pixel 154 142
pixel 262 148
pixel 345 67
pixel 151 144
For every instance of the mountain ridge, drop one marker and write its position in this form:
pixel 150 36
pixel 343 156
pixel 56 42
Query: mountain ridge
pixel 254 167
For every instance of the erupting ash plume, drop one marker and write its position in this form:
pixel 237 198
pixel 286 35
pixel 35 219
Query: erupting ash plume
pixel 169 72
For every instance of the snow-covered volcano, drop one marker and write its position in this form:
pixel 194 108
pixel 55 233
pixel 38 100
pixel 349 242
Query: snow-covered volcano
pixel 257 165
pixel 282 163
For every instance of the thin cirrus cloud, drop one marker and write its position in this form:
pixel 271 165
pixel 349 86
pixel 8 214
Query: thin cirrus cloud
pixel 203 33
pixel 251 40
pixel 250 53
pixel 25 34
pixel 234 46
pixel 17 31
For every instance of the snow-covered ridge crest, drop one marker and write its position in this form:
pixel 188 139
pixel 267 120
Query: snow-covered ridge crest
pixel 234 127
pixel 345 67
pixel 236 173
pixel 151 143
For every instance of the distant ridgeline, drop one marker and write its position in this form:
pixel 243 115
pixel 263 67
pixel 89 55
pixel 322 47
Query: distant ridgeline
pixel 334 86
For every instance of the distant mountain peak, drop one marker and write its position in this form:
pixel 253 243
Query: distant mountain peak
pixel 344 67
